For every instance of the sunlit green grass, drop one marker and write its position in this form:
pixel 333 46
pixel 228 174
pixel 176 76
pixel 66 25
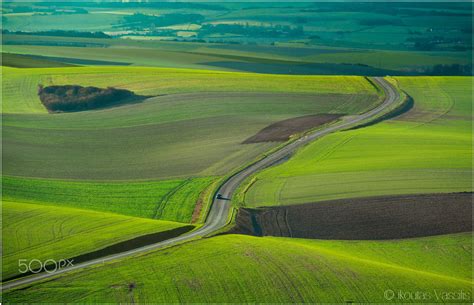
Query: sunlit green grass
pixel 237 268
pixel 33 231
pixel 195 129
pixel 167 200
pixel 428 150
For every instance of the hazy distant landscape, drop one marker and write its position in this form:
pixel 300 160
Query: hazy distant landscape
pixel 224 152
pixel 300 38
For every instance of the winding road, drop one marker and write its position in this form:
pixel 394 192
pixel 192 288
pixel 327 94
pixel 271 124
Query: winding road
pixel 221 208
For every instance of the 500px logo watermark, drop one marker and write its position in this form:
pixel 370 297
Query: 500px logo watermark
pixel 37 266
pixel 427 295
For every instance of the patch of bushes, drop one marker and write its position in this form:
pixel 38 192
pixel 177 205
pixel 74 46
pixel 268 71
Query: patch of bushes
pixel 70 98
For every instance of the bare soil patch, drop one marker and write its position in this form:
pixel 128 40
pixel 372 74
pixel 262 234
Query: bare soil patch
pixel 373 218
pixel 282 130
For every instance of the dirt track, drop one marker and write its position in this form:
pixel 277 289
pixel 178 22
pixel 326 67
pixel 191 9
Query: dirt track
pixel 282 130
pixel 374 218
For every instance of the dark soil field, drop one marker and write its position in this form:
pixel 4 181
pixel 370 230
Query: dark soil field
pixel 282 130
pixel 374 218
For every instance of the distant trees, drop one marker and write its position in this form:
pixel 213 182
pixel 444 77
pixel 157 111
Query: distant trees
pixel 60 33
pixel 253 31
pixel 70 98
pixel 140 21
pixel 438 42
pixel 454 69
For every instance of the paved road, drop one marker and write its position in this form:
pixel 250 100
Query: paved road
pixel 218 216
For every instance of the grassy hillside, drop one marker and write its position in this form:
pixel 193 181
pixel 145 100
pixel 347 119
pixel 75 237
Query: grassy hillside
pixel 427 150
pixel 196 128
pixel 33 231
pixel 166 200
pixel 237 268
pixel 20 84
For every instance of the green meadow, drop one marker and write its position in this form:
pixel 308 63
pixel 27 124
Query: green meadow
pixel 191 128
pixel 36 231
pixel 427 150
pixel 238 268
pixel 166 200
pixel 158 81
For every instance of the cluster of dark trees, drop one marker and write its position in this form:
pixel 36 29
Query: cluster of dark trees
pixel 140 21
pixel 450 70
pixel 439 42
pixel 71 98
pixel 60 33
pixel 252 31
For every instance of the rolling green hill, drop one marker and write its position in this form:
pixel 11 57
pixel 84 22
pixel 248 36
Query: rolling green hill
pixel 195 129
pixel 427 150
pixel 159 81
pixel 237 268
pixel 35 231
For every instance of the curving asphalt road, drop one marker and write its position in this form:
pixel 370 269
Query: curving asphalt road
pixel 220 210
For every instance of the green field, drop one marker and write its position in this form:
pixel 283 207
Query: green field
pixel 34 231
pixel 177 135
pixel 237 268
pixel 166 200
pixel 159 81
pixel 221 56
pixel 427 150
